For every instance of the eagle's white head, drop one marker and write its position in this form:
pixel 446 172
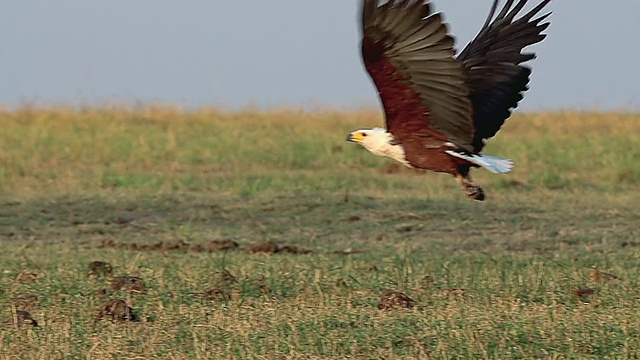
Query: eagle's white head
pixel 379 142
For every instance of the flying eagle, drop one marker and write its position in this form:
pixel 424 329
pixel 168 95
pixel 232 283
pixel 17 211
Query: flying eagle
pixel 441 108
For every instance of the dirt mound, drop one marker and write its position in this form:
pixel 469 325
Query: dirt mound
pixel 22 317
pixel 100 268
pixel 222 284
pixel 210 246
pixel 583 292
pixel 268 247
pixel 394 299
pixel 26 277
pixel 293 250
pixel 118 310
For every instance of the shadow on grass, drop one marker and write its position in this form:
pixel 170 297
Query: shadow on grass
pixel 322 221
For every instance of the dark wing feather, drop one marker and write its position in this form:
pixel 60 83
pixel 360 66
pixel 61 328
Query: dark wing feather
pixel 493 62
pixel 409 55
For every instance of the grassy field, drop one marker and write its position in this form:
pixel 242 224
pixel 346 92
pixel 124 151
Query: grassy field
pixel 546 267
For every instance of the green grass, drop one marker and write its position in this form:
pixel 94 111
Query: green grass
pixel 73 180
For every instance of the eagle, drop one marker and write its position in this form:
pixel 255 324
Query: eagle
pixel 441 108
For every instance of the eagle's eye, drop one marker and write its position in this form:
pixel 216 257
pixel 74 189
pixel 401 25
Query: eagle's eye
pixel 364 134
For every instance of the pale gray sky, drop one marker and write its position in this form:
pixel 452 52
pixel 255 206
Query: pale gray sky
pixel 279 52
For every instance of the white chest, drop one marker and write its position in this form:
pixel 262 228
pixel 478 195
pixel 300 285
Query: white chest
pixel 395 152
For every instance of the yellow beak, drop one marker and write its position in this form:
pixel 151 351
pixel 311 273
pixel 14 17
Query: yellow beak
pixel 355 137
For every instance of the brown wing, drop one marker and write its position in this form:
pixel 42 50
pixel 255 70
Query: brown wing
pixel 409 55
pixel 493 61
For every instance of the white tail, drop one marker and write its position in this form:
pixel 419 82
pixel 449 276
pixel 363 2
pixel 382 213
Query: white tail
pixel 492 163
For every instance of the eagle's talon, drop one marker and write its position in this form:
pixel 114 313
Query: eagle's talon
pixel 475 193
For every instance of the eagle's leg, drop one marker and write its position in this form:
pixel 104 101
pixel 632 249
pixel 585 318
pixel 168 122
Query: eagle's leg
pixel 473 191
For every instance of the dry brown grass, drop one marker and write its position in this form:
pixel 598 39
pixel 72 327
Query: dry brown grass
pixel 546 267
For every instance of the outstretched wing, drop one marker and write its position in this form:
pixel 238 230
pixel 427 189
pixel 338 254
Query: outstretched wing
pixel 493 62
pixel 409 55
